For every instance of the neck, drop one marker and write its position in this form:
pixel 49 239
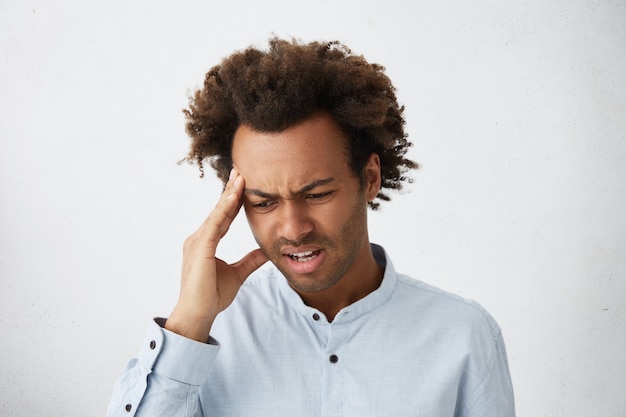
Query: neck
pixel 363 277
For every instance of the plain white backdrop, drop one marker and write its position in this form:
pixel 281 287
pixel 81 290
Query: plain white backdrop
pixel 518 115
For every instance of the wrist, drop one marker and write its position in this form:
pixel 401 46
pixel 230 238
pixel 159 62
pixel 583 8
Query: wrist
pixel 190 326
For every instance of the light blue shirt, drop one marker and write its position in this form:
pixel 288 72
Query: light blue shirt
pixel 406 349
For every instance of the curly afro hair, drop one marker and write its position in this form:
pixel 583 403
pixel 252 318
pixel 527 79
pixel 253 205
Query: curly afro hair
pixel 274 89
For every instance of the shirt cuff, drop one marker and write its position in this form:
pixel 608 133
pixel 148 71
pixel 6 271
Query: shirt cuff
pixel 176 357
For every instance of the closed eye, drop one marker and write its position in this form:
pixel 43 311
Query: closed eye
pixel 263 206
pixel 319 196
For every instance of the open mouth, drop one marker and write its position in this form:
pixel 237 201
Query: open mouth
pixel 303 261
pixel 304 256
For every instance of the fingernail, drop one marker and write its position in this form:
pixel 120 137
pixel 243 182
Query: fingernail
pixel 232 174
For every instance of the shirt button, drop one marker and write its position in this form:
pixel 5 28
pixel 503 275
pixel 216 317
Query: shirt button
pixel 333 358
pixel 152 344
pixel 316 316
pixel 129 407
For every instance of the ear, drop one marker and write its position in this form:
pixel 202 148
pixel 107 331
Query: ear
pixel 372 177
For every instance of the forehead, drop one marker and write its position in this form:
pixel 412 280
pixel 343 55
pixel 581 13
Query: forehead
pixel 313 148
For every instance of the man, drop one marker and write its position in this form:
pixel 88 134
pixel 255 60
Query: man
pixel 305 137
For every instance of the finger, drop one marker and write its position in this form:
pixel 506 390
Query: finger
pixel 218 222
pixel 225 198
pixel 249 263
pixel 229 203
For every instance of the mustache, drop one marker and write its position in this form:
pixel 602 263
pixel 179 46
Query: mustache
pixel 310 239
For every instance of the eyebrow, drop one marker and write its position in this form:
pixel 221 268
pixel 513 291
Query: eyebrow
pixel 303 190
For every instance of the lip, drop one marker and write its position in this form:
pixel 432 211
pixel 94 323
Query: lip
pixel 288 250
pixel 313 261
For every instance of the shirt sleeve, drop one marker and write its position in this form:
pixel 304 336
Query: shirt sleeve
pixel 164 378
pixel 496 397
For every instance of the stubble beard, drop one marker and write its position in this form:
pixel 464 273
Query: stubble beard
pixel 350 238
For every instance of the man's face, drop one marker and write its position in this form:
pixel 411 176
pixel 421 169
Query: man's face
pixel 305 206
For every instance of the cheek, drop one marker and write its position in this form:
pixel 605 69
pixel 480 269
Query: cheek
pixel 327 219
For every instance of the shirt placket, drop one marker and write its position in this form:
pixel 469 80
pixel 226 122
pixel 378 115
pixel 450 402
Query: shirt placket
pixel 332 371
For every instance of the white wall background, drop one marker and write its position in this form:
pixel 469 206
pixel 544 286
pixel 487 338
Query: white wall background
pixel 517 111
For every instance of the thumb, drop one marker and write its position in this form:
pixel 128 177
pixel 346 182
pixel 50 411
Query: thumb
pixel 250 263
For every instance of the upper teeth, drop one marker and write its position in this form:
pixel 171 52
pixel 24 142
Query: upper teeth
pixel 302 254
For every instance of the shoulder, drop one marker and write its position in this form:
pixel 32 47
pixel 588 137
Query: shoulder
pixel 417 301
pixel 428 303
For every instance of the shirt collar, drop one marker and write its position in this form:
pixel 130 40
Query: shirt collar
pixel 356 309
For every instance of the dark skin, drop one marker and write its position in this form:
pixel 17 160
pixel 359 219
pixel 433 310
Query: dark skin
pixel 308 212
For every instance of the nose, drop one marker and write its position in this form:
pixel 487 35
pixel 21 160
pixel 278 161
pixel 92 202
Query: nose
pixel 294 221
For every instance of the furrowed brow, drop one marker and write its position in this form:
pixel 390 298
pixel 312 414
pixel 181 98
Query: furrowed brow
pixel 303 190
pixel 313 185
pixel 259 193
